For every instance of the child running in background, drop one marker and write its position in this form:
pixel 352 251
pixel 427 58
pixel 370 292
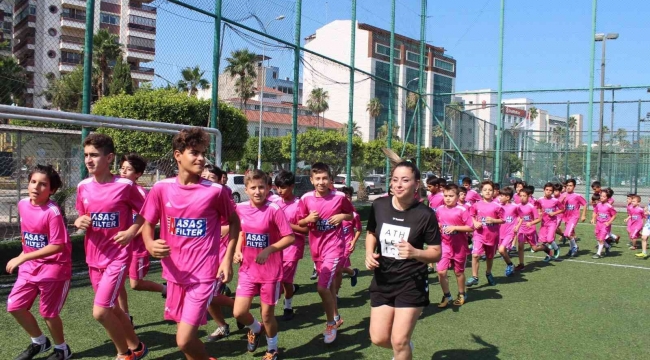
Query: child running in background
pixel 472 196
pixel 495 194
pixel 572 204
pixel 519 185
pixel 506 230
pixel 455 223
pixel 526 229
pixel 550 207
pixel 596 187
pixel 351 231
pixel 435 197
pixel 558 193
pixel 644 235
pixel 603 217
pixel 462 195
pixel 634 221
pixel 628 198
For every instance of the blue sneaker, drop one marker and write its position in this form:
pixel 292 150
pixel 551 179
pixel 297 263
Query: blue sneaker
pixel 547 258
pixel 574 252
pixel 471 281
pixel 353 278
pixel 556 253
pixel 510 269
pixel 490 279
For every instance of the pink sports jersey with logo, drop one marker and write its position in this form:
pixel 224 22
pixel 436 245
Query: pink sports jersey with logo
pixel 225 240
pixel 572 204
pixel 273 197
pixel 110 207
pixel 488 232
pixel 473 197
pixel 636 218
pixel 516 199
pixel 189 219
pixel 511 217
pixel 350 228
pixel 454 216
pixel 548 206
pixel 41 226
pixel 262 227
pixel 604 213
pixel 139 250
pixel 436 201
pixel 527 212
pixel 325 241
pixel 295 251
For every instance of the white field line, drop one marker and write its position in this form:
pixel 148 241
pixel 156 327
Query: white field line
pixel 595 263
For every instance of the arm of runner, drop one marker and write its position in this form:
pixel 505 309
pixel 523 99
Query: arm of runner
pixel 38 254
pixel 371 257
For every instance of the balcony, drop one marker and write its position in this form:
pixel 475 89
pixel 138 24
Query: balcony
pixel 24 43
pixel 20 4
pixel 30 87
pixel 142 73
pixel 74 43
pixel 141 53
pixel 28 64
pixel 143 28
pixel 73 21
pixel 142 7
pixel 79 4
pixel 66 66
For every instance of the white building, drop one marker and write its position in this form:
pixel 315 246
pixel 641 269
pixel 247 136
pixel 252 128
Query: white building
pixel 49 36
pixel 7 22
pixel 372 51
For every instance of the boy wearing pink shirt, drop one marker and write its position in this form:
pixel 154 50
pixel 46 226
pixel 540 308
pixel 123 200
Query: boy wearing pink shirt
pixel 435 197
pixel 265 232
pixel 351 231
pixel 487 216
pixel 519 185
pixel 44 265
pixel 455 222
pixel 189 210
pixel 106 204
pixel 506 230
pixel 549 207
pixel 572 204
pixel 323 211
pixel 603 217
pixel 472 196
pixel 285 182
pixel 132 167
pixel 526 229
pixel 635 220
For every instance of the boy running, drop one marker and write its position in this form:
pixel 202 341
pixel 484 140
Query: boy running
pixel 435 197
pixel 472 196
pixel 550 207
pixel 44 266
pixel 265 232
pixel 519 185
pixel 506 230
pixel 106 204
pixel 572 203
pixel 644 235
pixel 526 229
pixel 189 209
pixel 603 217
pixel 351 231
pixel 635 220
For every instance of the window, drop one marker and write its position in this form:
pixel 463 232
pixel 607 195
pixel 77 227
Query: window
pixel 385 50
pixel 414 57
pixel 139 20
pixel 52 31
pixel 267 131
pixel 275 75
pixel 238 180
pixel 276 132
pixel 444 65
pixel 257 132
pixel 110 19
pixel 51 54
pixel 53 9
pixel 73 13
pixel 30 10
pixel 70 57
pixel 142 43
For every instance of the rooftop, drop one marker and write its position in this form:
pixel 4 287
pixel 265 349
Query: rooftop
pixel 286 119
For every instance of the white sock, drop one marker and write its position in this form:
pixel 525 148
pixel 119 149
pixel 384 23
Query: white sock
pixel 600 248
pixel 272 343
pixel 39 340
pixel 573 243
pixel 63 347
pixel 337 317
pixel 256 327
pixel 287 303
pixel 553 245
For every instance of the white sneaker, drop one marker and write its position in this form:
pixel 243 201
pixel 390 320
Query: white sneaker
pixel 330 333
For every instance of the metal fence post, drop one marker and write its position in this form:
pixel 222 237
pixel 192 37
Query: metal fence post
pixel 19 173
pixel 391 91
pixel 421 117
pixel 590 111
pixel 88 68
pixel 216 58
pixel 296 76
pixel 497 160
pixel 638 148
pixel 566 148
pixel 353 43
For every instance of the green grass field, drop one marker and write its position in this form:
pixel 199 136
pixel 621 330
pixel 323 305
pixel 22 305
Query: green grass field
pixel 572 309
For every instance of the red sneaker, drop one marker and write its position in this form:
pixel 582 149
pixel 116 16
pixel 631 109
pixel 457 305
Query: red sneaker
pixel 519 267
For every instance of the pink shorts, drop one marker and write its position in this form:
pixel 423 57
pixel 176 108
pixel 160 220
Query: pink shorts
pixel 457 260
pixel 326 269
pixel 289 271
pixel 52 296
pixel 531 238
pixel 188 303
pixel 346 262
pixel 570 227
pixel 602 232
pixel 107 283
pixel 634 233
pixel 480 247
pixel 139 267
pixel 506 241
pixel 269 293
pixel 547 232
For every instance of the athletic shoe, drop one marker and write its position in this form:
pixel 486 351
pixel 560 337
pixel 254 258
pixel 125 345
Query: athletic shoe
pixel 519 267
pixel 139 354
pixel 490 279
pixel 287 315
pixel 471 281
pixel 617 238
pixel 271 355
pixel 339 322
pixel 59 354
pixel 353 278
pixel 573 252
pixel 556 253
pixel 126 357
pixel 330 333
pixel 314 275
pixel 34 349
pixel 547 258
pixel 219 333
pixel 632 247
pixel 446 301
pixel 510 269
pixel 460 299
pixel 597 256
pixel 641 256
pixel 254 340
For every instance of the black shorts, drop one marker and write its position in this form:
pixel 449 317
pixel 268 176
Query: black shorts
pixel 412 293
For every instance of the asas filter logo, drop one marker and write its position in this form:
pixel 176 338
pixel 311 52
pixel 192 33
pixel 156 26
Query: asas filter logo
pixel 188 227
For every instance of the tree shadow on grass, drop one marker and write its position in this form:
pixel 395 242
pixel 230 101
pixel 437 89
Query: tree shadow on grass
pixel 488 352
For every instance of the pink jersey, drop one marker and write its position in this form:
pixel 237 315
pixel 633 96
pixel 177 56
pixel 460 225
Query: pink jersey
pixel 473 197
pixel 41 226
pixel 225 239
pixel 189 219
pixel 325 241
pixel 489 232
pixel 511 217
pixel 604 212
pixel 548 206
pixel 572 204
pixel 455 216
pixel 436 200
pixel 273 197
pixel 527 212
pixel 351 227
pixel 295 251
pixel 262 227
pixel 516 198
pixel 636 218
pixel 139 250
pixel 110 207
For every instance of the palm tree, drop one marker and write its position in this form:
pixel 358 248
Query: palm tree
pixel 604 130
pixel 571 124
pixel 382 132
pixel 412 101
pixel 374 108
pixel 241 64
pixel 356 129
pixel 533 113
pixel 558 134
pixel 192 80
pixel 13 84
pixel 317 103
pixel 106 48
pixel 358 174
pixel 620 136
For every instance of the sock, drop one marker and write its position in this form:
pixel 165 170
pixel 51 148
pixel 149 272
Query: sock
pixel 255 327
pixel 509 263
pixel 547 251
pixel 475 277
pixel 331 323
pixel 447 295
pixel 39 340
pixel 573 243
pixel 600 249
pixel 287 303
pixel 272 343
pixel 337 318
pixel 554 245
pixel 128 352
pixel 62 346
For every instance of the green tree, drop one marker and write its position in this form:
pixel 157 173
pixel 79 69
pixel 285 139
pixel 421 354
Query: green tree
pixel 382 132
pixel 241 67
pixel 66 91
pixel 374 158
pixel 106 48
pixel 192 80
pixel 317 103
pixel 170 106
pixel 12 84
pixel 359 174
pixel 121 82
pixel 620 136
pixel 374 108
pixel 327 146
pixel 356 129
pixel 271 151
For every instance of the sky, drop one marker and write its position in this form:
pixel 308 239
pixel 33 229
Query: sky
pixel 547 44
